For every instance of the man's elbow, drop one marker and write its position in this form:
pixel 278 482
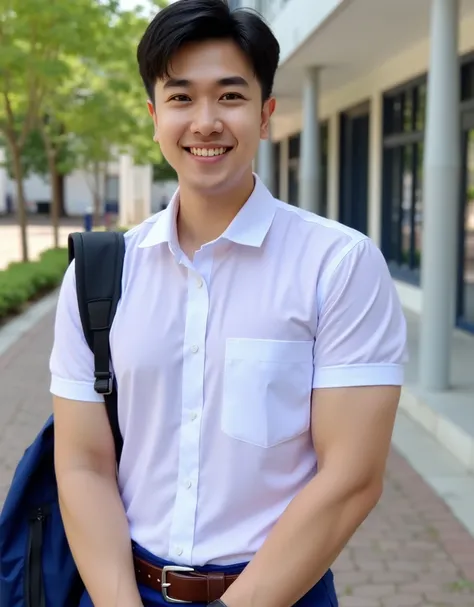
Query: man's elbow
pixel 363 493
pixel 371 492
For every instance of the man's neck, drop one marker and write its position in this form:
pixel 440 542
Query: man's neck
pixel 202 218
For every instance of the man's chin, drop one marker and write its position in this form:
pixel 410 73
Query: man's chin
pixel 210 184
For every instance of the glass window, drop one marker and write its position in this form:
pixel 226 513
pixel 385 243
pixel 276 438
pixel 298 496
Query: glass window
pixel 420 112
pixel 276 168
pixel 393 183
pixel 467 81
pixel 467 301
pixel 418 210
pixel 294 145
pixel 393 115
pixel 293 181
pixel 408 111
pixel 406 203
pixel 403 179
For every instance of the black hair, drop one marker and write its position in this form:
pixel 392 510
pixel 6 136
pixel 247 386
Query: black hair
pixel 188 21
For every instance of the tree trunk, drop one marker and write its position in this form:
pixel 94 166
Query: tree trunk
pixel 62 195
pixel 53 177
pixel 97 197
pixel 20 198
pixel 55 202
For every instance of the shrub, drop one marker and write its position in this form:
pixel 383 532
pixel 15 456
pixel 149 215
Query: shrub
pixel 22 282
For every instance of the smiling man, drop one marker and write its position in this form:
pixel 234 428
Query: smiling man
pixel 258 352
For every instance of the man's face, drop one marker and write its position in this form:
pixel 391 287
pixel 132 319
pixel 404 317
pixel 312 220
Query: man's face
pixel 209 117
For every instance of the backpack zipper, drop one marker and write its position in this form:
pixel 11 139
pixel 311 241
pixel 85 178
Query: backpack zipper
pixel 34 586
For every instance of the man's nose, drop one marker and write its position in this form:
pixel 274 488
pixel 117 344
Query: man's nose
pixel 207 120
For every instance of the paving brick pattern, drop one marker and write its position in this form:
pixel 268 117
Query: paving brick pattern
pixel 410 552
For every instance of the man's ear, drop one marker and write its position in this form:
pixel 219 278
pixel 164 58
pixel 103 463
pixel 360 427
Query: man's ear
pixel 267 111
pixel 151 111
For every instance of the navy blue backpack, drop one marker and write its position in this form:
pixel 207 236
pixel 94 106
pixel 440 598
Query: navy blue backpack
pixel 36 565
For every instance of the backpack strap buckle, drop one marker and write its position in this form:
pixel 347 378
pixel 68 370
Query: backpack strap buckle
pixel 103 382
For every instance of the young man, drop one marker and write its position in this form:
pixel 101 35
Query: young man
pixel 257 350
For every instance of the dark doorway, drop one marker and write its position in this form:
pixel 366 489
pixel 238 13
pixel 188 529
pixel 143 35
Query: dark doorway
pixel 354 167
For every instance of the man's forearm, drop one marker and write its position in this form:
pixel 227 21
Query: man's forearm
pixel 303 544
pixel 97 531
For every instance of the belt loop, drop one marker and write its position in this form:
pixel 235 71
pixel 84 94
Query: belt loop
pixel 215 586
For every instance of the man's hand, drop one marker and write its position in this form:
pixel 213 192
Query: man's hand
pixel 352 429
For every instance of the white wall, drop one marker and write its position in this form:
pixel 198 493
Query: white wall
pixel 78 191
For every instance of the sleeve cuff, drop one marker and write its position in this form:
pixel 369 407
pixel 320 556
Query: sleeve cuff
pixel 346 376
pixel 74 390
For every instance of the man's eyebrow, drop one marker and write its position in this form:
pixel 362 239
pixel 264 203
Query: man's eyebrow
pixel 233 81
pixel 175 83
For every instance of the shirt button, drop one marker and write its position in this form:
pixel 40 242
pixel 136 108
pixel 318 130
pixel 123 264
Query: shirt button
pixel 193 416
pixel 194 349
pixel 199 283
pixel 179 550
pixel 188 484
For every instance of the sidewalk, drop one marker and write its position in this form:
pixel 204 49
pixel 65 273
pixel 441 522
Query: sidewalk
pixel 447 415
pixel 410 552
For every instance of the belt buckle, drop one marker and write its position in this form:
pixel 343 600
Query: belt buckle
pixel 164 584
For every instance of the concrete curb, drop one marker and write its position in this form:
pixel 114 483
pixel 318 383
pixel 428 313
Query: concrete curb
pixel 450 435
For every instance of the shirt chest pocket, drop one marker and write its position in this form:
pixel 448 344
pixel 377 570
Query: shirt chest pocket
pixel 267 390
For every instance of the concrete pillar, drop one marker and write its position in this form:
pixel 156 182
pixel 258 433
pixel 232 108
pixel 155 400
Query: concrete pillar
pixel 310 169
pixel 441 191
pixel 126 190
pixel 265 163
pixel 284 175
pixel 375 168
pixel 3 183
pixel 143 180
pixel 333 168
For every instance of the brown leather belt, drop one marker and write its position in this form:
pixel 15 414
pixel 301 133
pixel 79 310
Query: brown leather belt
pixel 182 584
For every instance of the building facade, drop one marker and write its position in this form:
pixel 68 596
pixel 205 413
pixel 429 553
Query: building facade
pixel 125 188
pixel 374 127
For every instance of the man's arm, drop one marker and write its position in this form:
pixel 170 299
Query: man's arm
pixel 91 508
pixel 352 429
pixel 92 511
pixel 358 370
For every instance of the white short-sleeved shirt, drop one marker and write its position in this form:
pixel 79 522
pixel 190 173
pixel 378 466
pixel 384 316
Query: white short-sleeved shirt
pixel 215 361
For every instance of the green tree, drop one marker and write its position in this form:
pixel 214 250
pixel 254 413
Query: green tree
pixel 35 38
pixel 110 117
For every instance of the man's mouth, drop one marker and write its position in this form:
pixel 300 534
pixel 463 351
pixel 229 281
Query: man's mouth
pixel 208 152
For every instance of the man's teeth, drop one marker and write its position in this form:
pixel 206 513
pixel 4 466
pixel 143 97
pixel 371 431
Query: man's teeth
pixel 207 151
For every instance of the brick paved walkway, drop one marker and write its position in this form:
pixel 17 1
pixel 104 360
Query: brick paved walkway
pixel 410 552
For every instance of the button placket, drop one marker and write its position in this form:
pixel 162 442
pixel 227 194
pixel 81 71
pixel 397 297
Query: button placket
pixel 183 520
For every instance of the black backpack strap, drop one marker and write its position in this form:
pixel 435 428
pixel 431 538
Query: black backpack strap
pixel 99 263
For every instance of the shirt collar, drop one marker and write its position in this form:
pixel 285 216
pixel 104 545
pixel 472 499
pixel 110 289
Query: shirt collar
pixel 249 227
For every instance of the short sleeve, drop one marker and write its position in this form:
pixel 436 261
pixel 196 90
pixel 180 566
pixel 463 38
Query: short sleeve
pixel 71 361
pixel 361 332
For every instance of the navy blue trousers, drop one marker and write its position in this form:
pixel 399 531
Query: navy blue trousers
pixel 321 595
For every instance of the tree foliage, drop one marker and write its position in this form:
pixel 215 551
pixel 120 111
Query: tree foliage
pixel 70 93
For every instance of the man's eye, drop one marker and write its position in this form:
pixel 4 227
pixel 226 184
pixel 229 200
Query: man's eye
pixel 231 96
pixel 179 98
